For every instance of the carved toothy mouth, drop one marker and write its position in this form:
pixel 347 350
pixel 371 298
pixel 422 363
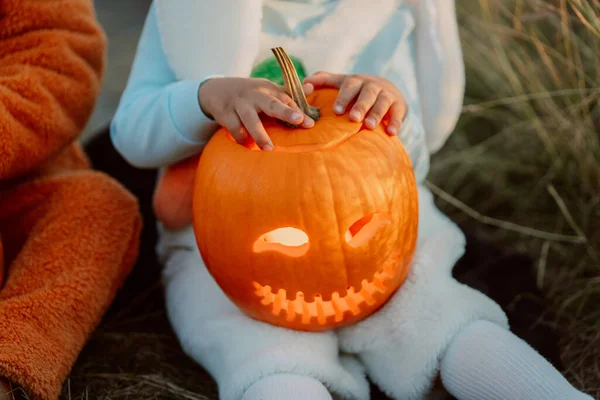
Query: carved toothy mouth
pixel 323 310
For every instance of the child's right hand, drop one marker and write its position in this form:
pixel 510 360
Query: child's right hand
pixel 235 103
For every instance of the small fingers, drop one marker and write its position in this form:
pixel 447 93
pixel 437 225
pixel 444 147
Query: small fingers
pixel 285 99
pixel 249 118
pixel 397 113
pixel 379 110
pixel 348 92
pixel 308 88
pixel 280 107
pixel 364 103
pixel 324 79
pixel 232 123
pixel 307 122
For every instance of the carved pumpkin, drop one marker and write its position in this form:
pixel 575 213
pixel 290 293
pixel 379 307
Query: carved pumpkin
pixel 314 235
pixel 317 233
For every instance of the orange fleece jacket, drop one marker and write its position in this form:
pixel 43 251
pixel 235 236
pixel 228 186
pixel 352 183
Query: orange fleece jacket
pixel 68 236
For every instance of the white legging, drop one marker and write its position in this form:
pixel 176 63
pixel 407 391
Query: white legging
pixel 484 361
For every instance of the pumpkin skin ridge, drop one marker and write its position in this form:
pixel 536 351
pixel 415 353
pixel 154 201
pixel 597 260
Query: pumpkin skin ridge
pixel 332 145
pixel 338 209
pixel 336 215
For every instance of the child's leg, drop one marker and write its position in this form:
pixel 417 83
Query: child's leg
pixel 248 359
pixel 401 344
pixel 485 361
pixel 433 322
pixel 288 387
pixel 69 241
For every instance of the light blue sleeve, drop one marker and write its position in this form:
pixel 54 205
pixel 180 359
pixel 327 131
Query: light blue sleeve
pixel 159 120
pixel 391 55
pixel 412 136
pixel 440 69
pixel 412 133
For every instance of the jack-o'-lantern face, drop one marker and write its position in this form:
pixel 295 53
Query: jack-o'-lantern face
pixel 316 234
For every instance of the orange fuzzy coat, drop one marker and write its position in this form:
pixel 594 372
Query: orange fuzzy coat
pixel 68 235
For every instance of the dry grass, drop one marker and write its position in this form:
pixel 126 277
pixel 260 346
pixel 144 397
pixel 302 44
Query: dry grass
pixel 524 163
pixel 135 355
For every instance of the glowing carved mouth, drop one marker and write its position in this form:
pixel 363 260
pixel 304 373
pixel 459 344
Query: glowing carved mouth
pixel 338 306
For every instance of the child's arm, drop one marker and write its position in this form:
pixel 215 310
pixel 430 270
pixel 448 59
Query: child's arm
pixel 158 121
pixel 440 68
pixel 51 63
pixel 162 120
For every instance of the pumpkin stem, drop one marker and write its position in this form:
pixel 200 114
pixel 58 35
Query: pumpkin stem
pixel 292 84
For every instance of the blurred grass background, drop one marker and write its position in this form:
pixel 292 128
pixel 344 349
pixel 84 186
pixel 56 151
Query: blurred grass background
pixel 522 170
pixel 523 166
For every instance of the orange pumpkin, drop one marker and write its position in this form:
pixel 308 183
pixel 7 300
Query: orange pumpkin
pixel 173 195
pixel 314 235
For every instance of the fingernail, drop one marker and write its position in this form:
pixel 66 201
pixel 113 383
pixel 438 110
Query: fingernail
pixel 355 115
pixel 371 122
pixel 308 122
pixel 392 130
pixel 296 116
pixel 268 147
pixel 338 109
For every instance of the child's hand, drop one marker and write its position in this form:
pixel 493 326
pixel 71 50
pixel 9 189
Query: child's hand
pixel 235 103
pixel 377 97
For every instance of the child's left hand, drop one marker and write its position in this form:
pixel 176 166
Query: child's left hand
pixel 375 98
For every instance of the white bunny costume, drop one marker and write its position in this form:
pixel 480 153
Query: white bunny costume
pixel 413 43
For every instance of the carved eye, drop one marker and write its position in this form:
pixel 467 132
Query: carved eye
pixel 365 228
pixel 289 241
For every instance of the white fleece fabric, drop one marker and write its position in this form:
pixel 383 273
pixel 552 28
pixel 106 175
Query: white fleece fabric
pixel 236 350
pixel 399 347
